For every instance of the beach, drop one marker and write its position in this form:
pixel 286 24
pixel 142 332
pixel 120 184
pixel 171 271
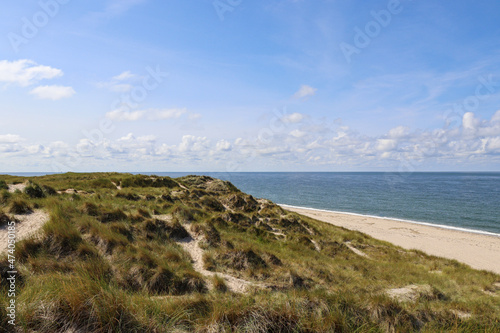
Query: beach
pixel 480 251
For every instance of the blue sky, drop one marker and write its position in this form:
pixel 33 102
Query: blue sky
pixel 238 85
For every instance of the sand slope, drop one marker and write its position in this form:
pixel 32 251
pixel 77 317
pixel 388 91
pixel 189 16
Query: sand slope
pixel 476 250
pixel 27 225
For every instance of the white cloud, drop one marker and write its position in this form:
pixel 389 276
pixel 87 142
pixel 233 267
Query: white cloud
pixel 124 76
pixel 121 115
pixel 298 133
pixel 223 145
pixel 149 114
pixel 161 114
pixel 305 91
pixel 469 122
pixel 327 144
pixel 26 72
pixel 386 144
pixel 52 92
pixel 399 132
pixel 496 117
pixel 293 118
pixel 120 83
pixel 194 116
pixel 10 138
pixel 192 143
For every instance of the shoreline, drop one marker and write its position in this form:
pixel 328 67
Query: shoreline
pixel 476 249
pixel 429 224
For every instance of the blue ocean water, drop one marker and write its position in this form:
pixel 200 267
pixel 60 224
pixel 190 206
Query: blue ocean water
pixel 464 200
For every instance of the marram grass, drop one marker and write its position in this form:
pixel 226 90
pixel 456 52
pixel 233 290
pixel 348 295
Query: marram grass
pixel 112 260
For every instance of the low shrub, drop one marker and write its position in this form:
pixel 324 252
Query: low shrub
pixel 3 185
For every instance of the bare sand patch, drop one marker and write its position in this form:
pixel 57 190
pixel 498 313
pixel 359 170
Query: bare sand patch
pixel 14 187
pixel 26 226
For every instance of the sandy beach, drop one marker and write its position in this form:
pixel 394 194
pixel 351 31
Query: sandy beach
pixel 476 250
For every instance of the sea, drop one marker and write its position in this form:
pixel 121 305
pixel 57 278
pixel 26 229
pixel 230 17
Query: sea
pixel 468 201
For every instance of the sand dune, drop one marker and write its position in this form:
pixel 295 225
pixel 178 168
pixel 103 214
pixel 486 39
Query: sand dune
pixel 476 250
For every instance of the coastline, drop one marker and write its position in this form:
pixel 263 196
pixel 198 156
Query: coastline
pixel 478 249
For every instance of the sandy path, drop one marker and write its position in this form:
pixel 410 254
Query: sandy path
pixel 20 187
pixel 191 246
pixel 476 250
pixel 27 225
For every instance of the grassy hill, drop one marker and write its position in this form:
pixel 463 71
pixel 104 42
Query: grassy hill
pixel 125 253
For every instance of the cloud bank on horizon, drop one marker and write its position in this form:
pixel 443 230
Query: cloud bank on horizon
pixel 393 85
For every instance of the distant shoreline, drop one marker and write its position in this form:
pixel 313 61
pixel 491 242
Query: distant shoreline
pixel 476 249
pixel 429 224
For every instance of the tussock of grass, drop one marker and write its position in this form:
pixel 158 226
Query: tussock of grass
pixel 112 215
pixel 61 236
pixel 19 206
pixel 4 219
pixel 241 260
pixel 219 284
pixel 34 190
pixel 3 185
pixel 208 233
pixel 128 196
pixel 158 229
pixel 4 196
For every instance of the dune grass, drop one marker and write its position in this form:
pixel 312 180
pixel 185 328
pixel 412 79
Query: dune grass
pixel 110 260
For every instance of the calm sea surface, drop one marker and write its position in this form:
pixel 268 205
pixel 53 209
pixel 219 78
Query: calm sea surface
pixel 464 200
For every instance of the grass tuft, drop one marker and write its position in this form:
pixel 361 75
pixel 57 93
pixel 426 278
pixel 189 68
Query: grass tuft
pixel 219 284
pixel 19 206
pixel 34 191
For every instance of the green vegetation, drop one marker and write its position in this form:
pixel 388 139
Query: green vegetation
pixel 111 260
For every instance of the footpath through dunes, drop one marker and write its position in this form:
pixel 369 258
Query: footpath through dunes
pixel 191 244
pixel 476 250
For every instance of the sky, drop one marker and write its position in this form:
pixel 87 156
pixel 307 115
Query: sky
pixel 239 85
